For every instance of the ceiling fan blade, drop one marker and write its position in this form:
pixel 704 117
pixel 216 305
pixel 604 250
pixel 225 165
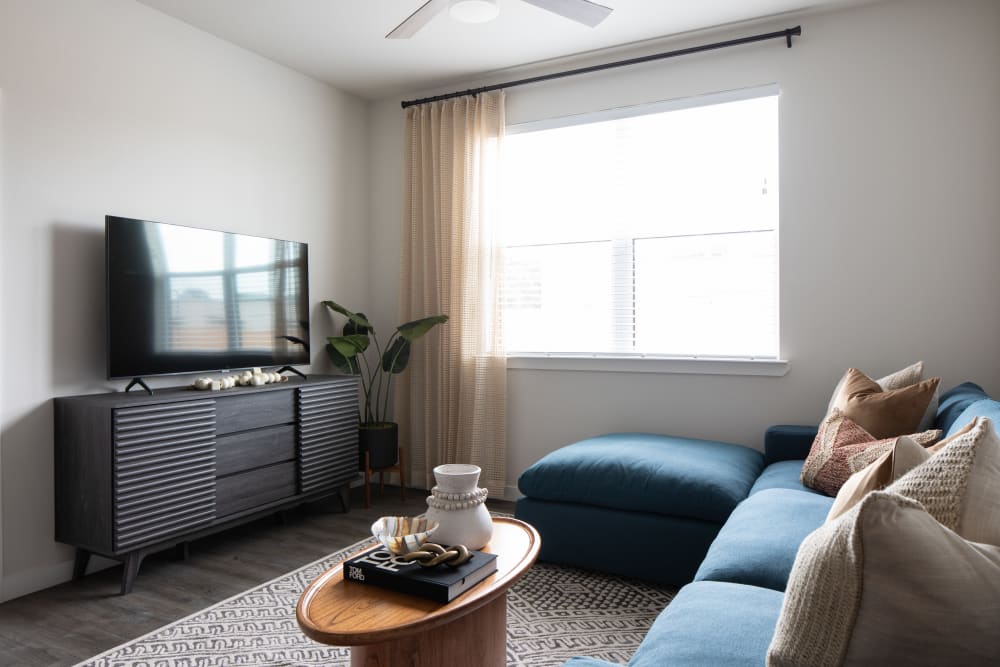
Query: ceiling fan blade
pixel 581 11
pixel 418 19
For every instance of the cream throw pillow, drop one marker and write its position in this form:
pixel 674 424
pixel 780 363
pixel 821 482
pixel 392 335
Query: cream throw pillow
pixel 960 484
pixel 887 584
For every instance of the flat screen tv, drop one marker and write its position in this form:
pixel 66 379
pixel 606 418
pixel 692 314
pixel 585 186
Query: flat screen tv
pixel 188 300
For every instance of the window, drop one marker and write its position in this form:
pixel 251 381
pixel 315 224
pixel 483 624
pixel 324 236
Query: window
pixel 648 231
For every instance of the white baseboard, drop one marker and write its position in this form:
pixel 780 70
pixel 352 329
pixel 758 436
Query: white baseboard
pixel 46 576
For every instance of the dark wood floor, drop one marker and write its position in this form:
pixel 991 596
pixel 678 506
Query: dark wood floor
pixel 74 621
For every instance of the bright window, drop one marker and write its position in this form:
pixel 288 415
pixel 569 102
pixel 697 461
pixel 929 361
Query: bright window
pixel 648 231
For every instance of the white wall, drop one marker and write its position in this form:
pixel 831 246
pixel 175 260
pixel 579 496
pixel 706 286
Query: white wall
pixel 890 216
pixel 112 107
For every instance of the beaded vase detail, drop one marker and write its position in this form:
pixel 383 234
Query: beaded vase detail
pixel 458 506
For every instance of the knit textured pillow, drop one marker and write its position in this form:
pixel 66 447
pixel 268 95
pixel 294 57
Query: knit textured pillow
pixel 960 484
pixel 886 584
pixel 842 448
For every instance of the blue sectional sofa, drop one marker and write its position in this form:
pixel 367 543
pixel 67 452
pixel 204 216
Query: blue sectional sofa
pixel 724 521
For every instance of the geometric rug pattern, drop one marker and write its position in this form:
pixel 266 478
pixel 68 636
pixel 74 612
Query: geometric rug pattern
pixel 553 614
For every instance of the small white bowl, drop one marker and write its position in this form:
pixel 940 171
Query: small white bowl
pixel 402 534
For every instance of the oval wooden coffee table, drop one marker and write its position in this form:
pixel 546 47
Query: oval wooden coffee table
pixel 384 627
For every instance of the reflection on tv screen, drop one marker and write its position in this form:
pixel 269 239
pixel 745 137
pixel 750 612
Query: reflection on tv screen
pixel 182 299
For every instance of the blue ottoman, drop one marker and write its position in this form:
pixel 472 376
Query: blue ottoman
pixel 636 504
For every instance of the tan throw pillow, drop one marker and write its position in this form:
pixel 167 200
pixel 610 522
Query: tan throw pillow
pixel 842 448
pixel 902 378
pixel 960 484
pixel 886 584
pixel 884 414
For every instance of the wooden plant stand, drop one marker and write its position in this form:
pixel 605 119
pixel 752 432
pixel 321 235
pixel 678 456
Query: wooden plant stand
pixel 398 468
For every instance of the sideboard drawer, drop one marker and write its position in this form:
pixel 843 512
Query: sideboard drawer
pixel 266 408
pixel 244 451
pixel 246 490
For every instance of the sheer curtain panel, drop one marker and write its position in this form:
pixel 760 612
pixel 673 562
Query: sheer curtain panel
pixel 452 400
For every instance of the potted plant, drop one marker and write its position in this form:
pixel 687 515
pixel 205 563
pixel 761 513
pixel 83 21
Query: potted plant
pixel 377 434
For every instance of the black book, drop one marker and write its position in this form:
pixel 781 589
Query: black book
pixel 440 583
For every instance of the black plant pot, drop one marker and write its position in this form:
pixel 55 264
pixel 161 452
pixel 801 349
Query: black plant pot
pixel 382 444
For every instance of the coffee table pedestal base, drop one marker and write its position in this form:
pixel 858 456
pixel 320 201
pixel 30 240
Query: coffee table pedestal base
pixel 477 638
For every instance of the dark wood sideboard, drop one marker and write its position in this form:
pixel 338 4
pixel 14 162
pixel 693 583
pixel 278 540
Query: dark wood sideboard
pixel 135 473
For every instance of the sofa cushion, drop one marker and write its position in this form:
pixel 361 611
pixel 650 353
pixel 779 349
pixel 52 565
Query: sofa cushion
pixel 986 407
pixel 712 624
pixel 954 402
pixel 757 545
pixel 782 475
pixel 642 472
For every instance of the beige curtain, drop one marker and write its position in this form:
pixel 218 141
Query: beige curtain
pixel 451 403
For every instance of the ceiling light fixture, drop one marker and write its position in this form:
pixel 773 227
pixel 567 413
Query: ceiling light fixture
pixel 474 11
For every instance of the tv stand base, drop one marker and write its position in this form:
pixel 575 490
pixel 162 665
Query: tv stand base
pixel 141 383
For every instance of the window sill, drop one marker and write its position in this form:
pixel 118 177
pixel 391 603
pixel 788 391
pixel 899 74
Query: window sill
pixel 651 364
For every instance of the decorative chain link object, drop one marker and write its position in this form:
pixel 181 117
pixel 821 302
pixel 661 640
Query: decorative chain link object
pixel 432 555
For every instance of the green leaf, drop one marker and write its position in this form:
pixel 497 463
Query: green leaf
pixel 351 327
pixel 359 319
pixel 417 328
pixel 397 356
pixel 344 364
pixel 349 346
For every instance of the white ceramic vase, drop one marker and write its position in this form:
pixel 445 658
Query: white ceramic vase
pixel 459 507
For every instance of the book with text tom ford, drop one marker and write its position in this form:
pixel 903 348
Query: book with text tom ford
pixel 441 583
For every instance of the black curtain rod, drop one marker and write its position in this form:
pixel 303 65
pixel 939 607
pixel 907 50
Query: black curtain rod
pixel 787 33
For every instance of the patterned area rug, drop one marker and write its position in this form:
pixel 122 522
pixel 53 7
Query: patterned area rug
pixel 553 613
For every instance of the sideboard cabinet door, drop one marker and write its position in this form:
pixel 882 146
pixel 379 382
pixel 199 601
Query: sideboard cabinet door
pixel 164 479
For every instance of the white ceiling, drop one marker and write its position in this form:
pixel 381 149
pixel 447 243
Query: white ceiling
pixel 342 41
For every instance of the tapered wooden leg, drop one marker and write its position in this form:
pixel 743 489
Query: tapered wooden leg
pixel 182 551
pixel 381 481
pixel 402 475
pixel 131 569
pixel 80 561
pixel 368 479
pixel 344 493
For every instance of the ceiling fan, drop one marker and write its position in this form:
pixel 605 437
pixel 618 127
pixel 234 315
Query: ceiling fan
pixel 477 11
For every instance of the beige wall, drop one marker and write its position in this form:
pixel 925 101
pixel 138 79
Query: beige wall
pixel 890 217
pixel 112 107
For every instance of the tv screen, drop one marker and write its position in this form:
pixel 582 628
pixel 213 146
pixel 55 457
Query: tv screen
pixel 187 300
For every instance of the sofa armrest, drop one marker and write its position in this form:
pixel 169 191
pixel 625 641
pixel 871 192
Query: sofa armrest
pixel 784 442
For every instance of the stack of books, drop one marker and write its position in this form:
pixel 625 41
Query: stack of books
pixel 441 583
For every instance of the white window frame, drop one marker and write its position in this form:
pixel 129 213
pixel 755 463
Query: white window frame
pixel 650 363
